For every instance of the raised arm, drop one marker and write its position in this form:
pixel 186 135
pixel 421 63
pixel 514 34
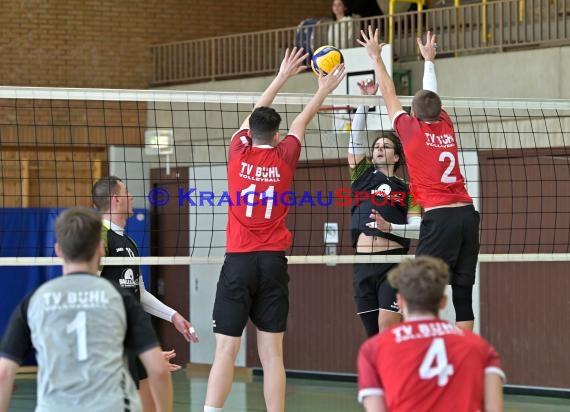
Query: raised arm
pixel 428 51
pixel 356 145
pixel 290 66
pixel 326 85
pixel 387 88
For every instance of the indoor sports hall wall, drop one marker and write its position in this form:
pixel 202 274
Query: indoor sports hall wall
pixel 533 74
pixel 106 43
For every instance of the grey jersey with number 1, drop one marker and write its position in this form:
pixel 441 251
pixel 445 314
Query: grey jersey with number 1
pixel 79 326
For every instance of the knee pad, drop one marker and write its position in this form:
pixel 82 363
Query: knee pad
pixel 463 302
pixel 370 322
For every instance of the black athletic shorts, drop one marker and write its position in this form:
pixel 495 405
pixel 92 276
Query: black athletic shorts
pixel 252 285
pixel 371 287
pixel 136 367
pixel 452 234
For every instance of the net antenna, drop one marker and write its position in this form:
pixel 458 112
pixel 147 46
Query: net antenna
pixel 160 142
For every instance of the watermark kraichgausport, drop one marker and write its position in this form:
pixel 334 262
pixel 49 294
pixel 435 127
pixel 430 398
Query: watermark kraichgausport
pixel 340 197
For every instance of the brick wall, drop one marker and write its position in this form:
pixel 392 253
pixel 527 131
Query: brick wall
pixel 105 43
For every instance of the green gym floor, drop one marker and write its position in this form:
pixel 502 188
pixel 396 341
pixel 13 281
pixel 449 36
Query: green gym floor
pixel 303 395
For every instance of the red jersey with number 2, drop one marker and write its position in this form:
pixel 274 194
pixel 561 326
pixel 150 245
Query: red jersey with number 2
pixel 426 365
pixel 257 178
pixel 432 160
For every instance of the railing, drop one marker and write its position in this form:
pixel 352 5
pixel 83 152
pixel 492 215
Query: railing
pixel 473 28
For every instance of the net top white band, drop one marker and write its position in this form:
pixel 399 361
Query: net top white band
pixel 180 96
pixel 295 260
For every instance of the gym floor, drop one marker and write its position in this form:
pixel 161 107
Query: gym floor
pixel 303 395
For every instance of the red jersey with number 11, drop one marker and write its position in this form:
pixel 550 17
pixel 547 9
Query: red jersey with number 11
pixel 426 365
pixel 257 179
pixel 432 160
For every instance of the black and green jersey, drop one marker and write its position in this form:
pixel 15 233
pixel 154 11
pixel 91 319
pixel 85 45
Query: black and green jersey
pixel 389 195
pixel 121 245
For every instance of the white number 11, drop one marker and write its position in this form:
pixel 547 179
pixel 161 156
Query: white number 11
pixel 268 194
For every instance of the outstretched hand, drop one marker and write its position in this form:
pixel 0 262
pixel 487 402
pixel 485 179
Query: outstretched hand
pixel 331 81
pixel 371 43
pixel 367 87
pixel 429 49
pixel 292 62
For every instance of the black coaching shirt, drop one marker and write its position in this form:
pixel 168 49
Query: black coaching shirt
pixel 79 326
pixel 392 200
pixel 118 244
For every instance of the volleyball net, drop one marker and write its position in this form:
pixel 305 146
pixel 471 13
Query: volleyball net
pixel 170 148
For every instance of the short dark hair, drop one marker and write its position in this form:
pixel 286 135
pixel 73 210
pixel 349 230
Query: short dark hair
pixel 78 233
pixel 263 124
pixel 398 149
pixel 103 190
pixel 421 282
pixel 426 106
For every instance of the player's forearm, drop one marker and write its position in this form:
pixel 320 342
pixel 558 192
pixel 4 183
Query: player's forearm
pixel 155 307
pixel 159 378
pixel 356 141
pixel 374 404
pixel 311 109
pixel 384 80
pixel 493 397
pixel 429 79
pixel 5 395
pixel 387 88
pixel 410 230
pixel 8 370
pixel 269 94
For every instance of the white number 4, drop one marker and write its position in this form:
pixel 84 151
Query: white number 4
pixel 435 363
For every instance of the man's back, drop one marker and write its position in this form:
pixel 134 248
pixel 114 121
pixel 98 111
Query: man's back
pixel 432 159
pixel 257 222
pixel 427 365
pixel 78 325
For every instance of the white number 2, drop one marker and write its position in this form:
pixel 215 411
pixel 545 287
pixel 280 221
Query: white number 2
pixel 79 326
pixel 267 194
pixel 446 177
pixel 435 363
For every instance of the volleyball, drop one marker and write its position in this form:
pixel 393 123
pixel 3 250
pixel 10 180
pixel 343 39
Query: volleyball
pixel 325 59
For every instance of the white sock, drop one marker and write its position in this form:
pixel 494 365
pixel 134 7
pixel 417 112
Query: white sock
pixel 211 409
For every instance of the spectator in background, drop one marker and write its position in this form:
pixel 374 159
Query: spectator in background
pixel 341 32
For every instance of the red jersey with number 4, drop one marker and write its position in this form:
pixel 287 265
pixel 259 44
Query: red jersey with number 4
pixel 432 160
pixel 257 178
pixel 426 365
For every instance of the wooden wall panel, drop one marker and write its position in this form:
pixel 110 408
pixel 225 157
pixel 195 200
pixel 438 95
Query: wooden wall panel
pixel 525 306
pixel 524 314
pixel 72 122
pixel 169 237
pixel 49 177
